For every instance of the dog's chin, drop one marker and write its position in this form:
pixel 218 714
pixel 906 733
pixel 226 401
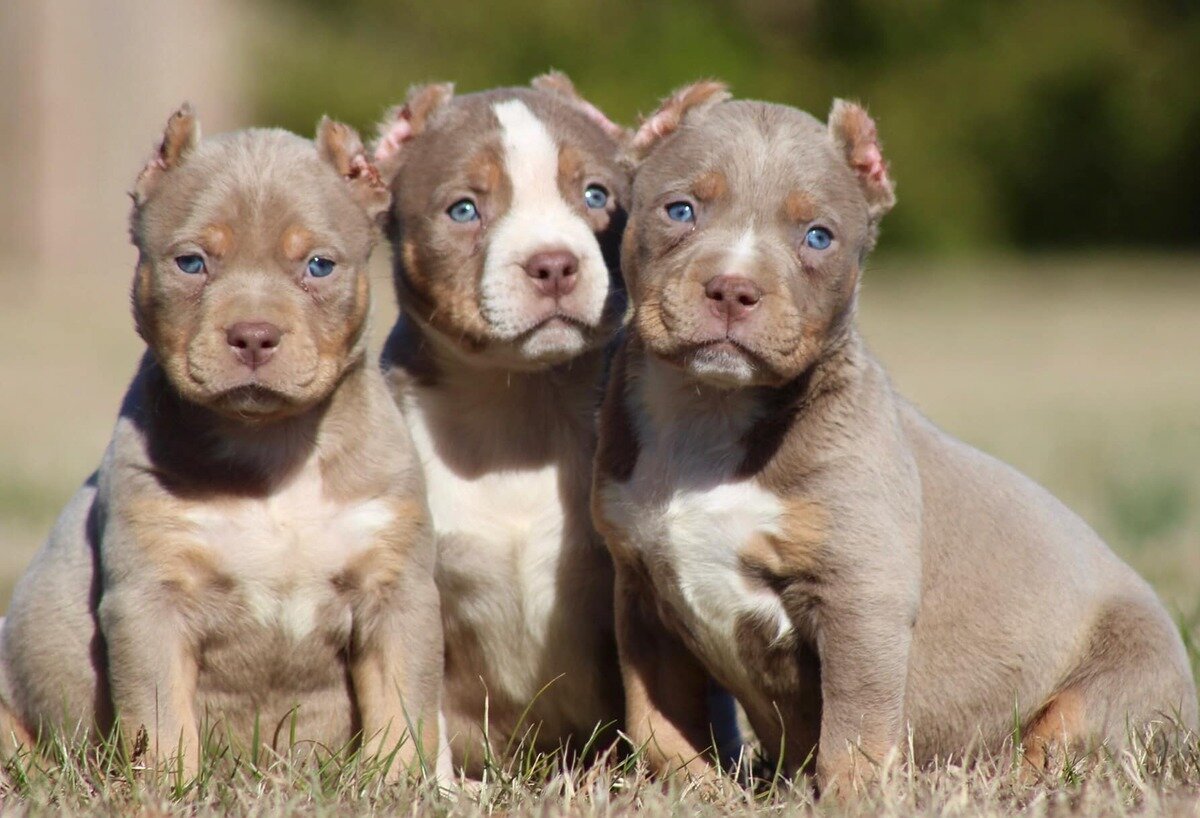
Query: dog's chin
pixel 553 341
pixel 255 403
pixel 723 364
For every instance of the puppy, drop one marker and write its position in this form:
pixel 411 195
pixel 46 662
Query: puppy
pixel 253 556
pixel 781 518
pixel 505 230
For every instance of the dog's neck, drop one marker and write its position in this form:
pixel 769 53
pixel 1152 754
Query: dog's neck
pixel 487 415
pixel 676 395
pixel 196 448
pixel 759 418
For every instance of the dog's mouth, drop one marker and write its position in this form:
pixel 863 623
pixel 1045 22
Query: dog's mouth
pixel 726 345
pixel 552 339
pixel 253 401
pixel 559 319
pixel 722 361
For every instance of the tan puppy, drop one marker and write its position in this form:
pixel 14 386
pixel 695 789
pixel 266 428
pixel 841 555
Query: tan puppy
pixel 505 231
pixel 254 552
pixel 782 518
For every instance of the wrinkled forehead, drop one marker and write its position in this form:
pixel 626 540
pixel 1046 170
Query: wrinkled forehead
pixel 757 154
pixel 259 183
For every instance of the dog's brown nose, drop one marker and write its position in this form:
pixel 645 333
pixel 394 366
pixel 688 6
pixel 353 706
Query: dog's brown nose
pixel 732 297
pixel 253 342
pixel 553 271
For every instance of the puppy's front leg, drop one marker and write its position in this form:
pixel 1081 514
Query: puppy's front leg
pixel 396 670
pixel 863 641
pixel 666 686
pixel 152 671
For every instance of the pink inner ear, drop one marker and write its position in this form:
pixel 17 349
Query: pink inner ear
pixel 865 154
pixel 656 127
pixel 596 115
pixel 868 160
pixel 397 134
pixel 360 168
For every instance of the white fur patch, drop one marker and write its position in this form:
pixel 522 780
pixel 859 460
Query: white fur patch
pixel 538 219
pixel 683 508
pixel 282 551
pixel 743 252
pixel 706 529
pixel 700 533
pixel 718 366
pixel 512 524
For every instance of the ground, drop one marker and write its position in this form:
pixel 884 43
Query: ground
pixel 1084 373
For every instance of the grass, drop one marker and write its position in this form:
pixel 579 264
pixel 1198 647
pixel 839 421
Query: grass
pixel 69 779
pixel 1081 372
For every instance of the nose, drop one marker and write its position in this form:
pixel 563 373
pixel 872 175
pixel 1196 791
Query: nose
pixel 253 342
pixel 732 297
pixel 553 271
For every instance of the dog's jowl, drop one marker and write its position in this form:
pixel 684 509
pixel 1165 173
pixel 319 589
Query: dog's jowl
pixel 509 207
pixel 253 556
pixel 781 518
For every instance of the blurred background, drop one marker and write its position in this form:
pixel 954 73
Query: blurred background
pixel 1036 290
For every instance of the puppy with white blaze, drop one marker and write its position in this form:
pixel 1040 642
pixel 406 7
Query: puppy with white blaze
pixel 509 205
pixel 781 518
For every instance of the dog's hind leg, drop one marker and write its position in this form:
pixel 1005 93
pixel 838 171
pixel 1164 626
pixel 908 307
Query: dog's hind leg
pixel 13 734
pixel 1133 684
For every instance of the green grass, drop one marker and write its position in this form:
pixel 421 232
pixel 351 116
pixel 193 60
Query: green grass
pixel 69 778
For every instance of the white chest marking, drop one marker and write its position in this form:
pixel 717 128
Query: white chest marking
pixel 700 533
pixel 502 533
pixel 500 510
pixel 283 550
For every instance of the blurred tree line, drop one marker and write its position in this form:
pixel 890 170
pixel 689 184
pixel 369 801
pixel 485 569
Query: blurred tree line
pixel 1024 124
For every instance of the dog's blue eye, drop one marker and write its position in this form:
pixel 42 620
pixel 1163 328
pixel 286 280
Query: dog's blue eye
pixel 463 210
pixel 681 212
pixel 320 267
pixel 190 264
pixel 595 197
pixel 818 238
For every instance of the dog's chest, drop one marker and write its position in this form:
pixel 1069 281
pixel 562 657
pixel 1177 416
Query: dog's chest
pixel 689 521
pixel 283 555
pixel 501 537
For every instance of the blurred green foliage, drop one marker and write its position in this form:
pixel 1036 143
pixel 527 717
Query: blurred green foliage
pixel 1027 124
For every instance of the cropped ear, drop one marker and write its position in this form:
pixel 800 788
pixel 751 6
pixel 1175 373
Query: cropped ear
pixel 855 137
pixel 341 147
pixel 690 99
pixel 179 138
pixel 560 85
pixel 404 122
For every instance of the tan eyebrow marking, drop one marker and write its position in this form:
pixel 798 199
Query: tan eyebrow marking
pixel 711 185
pixel 296 242
pixel 570 163
pixel 216 239
pixel 483 172
pixel 799 207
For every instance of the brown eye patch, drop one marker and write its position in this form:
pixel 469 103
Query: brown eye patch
pixel 570 167
pixel 710 186
pixel 799 207
pixel 296 243
pixel 217 240
pixel 484 172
